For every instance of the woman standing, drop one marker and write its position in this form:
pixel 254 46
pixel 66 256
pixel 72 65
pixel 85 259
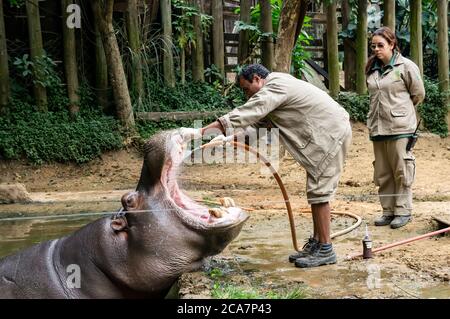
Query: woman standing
pixel 395 89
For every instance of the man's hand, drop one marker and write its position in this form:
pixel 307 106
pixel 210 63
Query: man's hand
pixel 188 133
pixel 222 138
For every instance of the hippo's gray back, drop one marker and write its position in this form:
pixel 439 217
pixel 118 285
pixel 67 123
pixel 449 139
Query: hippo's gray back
pixel 31 273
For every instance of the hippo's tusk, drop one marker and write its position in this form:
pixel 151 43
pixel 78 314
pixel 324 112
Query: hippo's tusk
pixel 275 175
pixel 227 202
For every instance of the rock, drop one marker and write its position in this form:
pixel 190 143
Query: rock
pixel 353 183
pixel 13 193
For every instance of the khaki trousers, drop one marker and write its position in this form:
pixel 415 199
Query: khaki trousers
pixel 322 189
pixel 394 173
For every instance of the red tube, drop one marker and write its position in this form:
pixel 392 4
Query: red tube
pixel 405 241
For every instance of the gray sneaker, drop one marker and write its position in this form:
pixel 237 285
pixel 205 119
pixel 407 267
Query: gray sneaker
pixel 383 220
pixel 306 250
pixel 320 256
pixel 400 221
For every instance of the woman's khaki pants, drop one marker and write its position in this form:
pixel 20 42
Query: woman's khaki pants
pixel 394 173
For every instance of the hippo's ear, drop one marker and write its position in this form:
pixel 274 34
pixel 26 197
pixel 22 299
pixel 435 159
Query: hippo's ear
pixel 119 224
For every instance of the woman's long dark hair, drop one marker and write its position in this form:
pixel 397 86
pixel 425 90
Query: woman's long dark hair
pixel 390 37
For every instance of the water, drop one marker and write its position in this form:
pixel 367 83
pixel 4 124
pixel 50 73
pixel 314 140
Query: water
pixel 21 226
pixel 259 254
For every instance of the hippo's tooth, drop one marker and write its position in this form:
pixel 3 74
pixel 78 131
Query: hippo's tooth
pixel 217 212
pixel 227 202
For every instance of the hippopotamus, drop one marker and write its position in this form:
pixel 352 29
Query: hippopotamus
pixel 158 234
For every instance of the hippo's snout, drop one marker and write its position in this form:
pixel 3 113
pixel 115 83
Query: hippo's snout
pixel 163 158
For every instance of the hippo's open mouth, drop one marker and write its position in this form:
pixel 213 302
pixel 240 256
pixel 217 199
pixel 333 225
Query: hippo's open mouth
pixel 226 215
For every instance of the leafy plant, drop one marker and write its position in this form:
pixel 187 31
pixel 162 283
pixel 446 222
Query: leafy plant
pixel 40 70
pixel 16 3
pixel 256 36
pixel 402 28
pixel 433 110
pixel 182 22
pixel 189 97
pixel 230 291
pixel 356 105
pixel 54 136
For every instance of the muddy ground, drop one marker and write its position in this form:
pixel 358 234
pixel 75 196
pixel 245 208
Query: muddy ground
pixel 257 259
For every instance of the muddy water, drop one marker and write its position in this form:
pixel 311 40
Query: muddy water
pixel 261 255
pixel 257 257
pixel 23 225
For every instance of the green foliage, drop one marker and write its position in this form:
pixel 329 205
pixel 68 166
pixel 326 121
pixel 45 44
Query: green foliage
pixel 299 54
pixel 213 73
pixel 433 110
pixel 16 3
pixel 402 28
pixel 148 128
pixel 182 22
pixel 53 136
pixel 40 70
pixel 189 97
pixel 356 105
pixel 230 291
pixel 225 289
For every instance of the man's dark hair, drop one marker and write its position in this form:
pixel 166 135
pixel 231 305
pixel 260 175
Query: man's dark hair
pixel 248 71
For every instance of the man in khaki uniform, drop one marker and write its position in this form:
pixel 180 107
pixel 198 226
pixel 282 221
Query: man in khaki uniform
pixel 395 89
pixel 314 129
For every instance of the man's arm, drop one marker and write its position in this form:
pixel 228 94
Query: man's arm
pixel 266 100
pixel 214 125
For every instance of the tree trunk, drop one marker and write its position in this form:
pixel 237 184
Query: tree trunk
pixel 416 33
pixel 361 47
pixel 243 48
pixel 101 71
pixel 183 66
pixel 267 53
pixel 349 51
pixel 198 66
pixel 443 64
pixel 389 14
pixel 36 50
pixel 70 61
pixel 218 36
pixel 289 17
pixel 137 81
pixel 103 17
pixel 4 71
pixel 151 13
pixel 301 18
pixel 168 67
pixel 332 50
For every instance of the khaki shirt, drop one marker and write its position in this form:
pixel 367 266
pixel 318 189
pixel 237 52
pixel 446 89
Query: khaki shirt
pixel 311 124
pixel 394 95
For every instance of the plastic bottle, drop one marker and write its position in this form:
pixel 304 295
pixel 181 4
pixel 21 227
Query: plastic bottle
pixel 367 245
